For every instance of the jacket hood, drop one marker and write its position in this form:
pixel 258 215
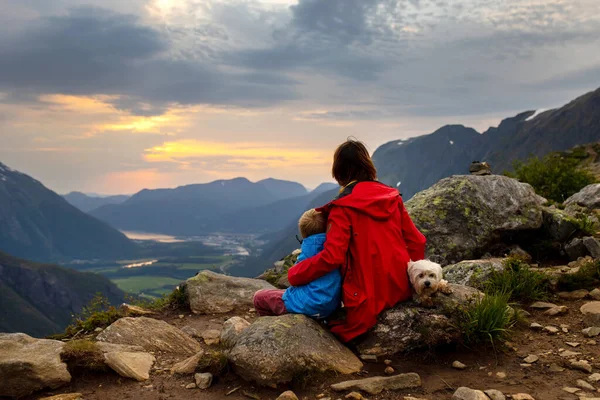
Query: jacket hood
pixel 374 199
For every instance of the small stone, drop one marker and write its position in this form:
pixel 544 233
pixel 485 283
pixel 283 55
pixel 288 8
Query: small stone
pixel 594 377
pixel 559 310
pixel 288 395
pixel 592 331
pixel 555 368
pixel 530 359
pixel 571 390
pixel 387 362
pixel 595 294
pixel 181 316
pixel 204 380
pixel 320 396
pixel 98 330
pixel 522 396
pixel 536 327
pixel 465 393
pixel 541 305
pixel 190 386
pixel 568 354
pixel 581 365
pixel 501 375
pixel 525 365
pixel 354 396
pixel 458 365
pixel 551 329
pixel 575 295
pixel 389 370
pixel 494 394
pixel 211 336
pixel 584 385
pixel 591 342
pixel 573 344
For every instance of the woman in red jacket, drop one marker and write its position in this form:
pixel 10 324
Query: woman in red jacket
pixel 370 238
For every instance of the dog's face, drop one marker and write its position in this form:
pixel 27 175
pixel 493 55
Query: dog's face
pixel 425 276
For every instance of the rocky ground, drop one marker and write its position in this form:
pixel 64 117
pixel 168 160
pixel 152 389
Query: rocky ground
pixel 535 362
pixel 217 348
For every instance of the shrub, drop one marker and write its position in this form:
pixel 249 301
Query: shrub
pixel 587 277
pixel 586 224
pixel 97 314
pixel 488 318
pixel 175 300
pixel 518 281
pixel 555 177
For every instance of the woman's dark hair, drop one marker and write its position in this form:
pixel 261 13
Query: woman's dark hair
pixel 352 162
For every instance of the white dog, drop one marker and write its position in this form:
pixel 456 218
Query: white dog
pixel 426 279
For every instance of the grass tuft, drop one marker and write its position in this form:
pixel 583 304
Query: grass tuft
pixel 519 282
pixel 587 277
pixel 487 319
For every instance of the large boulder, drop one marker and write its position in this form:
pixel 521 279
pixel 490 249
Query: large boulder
pixel 473 272
pixel 462 216
pixel 408 327
pixel 150 334
pixel 588 197
pixel 277 349
pixel 212 293
pixel 28 365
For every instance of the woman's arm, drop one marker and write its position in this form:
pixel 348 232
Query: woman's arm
pixel 414 239
pixel 333 255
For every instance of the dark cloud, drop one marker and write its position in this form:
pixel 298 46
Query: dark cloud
pixel 95 51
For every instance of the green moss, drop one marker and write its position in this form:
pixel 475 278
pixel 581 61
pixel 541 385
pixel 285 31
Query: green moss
pixel 83 354
pixel 438 200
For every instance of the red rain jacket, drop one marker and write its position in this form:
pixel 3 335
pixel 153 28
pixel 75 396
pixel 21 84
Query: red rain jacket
pixel 371 238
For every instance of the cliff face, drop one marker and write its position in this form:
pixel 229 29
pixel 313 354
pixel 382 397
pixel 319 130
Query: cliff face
pixel 415 164
pixel 40 299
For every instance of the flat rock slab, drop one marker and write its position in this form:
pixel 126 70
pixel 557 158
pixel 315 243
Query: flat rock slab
pixel 276 349
pixel 494 394
pixel 408 327
pixel 130 365
pixel 151 335
pixel 542 305
pixel 591 313
pixel 28 365
pixel 378 384
pixel 66 396
pixel 212 293
pixel 465 393
pixel 187 366
pixel 588 197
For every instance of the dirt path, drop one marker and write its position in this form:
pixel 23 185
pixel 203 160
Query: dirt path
pixel 486 369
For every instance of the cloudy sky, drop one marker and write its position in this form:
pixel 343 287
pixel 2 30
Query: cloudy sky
pixel 113 96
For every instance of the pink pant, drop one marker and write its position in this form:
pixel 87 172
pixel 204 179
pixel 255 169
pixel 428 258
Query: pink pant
pixel 269 302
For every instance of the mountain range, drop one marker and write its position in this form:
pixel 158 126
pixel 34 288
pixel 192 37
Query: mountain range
pixel 40 299
pixel 226 206
pixel 417 163
pixel 88 202
pixel 38 224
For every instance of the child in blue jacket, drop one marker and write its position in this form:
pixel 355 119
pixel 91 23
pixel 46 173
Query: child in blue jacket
pixel 321 297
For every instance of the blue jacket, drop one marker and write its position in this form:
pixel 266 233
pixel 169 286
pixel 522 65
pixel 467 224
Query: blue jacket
pixel 321 297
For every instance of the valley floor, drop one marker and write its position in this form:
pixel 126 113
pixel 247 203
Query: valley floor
pixel 486 369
